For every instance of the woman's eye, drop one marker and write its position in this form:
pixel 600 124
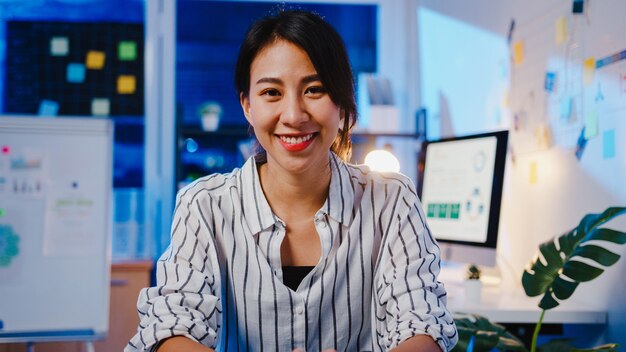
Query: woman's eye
pixel 271 92
pixel 315 90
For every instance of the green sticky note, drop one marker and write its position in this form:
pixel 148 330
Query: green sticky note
pixel 1 212
pixel 608 144
pixel 127 51
pixel 591 125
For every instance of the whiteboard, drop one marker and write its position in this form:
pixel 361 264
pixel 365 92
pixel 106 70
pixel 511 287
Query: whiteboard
pixel 55 228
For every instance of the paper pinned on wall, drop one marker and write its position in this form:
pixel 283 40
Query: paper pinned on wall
pixel 581 144
pixel 566 108
pixel 591 125
pixel 95 60
pixel 549 83
pixel 532 173
pixel 543 135
pixel 59 46
pixel 48 108
pixel 75 73
pixel 126 84
pixel 518 52
pixel 589 70
pixel 100 107
pixel 127 51
pixel 608 144
pixel 561 30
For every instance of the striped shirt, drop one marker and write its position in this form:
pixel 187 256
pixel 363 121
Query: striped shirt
pixel 220 281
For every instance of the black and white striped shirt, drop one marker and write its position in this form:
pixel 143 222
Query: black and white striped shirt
pixel 220 281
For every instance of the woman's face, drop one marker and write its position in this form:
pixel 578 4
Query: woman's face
pixel 293 117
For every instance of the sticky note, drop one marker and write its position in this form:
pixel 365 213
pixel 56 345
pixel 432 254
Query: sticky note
pixel 589 70
pixel 532 174
pixel 75 73
pixel 95 60
pixel 48 108
pixel 127 51
pixel 59 46
pixel 566 108
pixel 608 144
pixel 100 107
pixel 518 52
pixel 560 36
pixel 581 144
pixel 126 84
pixel 543 135
pixel 591 125
pixel 549 82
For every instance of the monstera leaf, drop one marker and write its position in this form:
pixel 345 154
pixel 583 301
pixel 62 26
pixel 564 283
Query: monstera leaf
pixel 477 333
pixel 557 270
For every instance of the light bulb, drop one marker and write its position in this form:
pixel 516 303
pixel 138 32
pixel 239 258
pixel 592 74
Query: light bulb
pixel 382 160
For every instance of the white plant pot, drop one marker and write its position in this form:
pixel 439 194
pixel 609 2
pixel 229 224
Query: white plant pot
pixel 210 121
pixel 473 290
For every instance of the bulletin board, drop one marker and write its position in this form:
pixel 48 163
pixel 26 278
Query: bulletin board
pixel 568 77
pixel 55 228
pixel 74 68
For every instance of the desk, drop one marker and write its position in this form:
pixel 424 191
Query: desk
pixel 513 306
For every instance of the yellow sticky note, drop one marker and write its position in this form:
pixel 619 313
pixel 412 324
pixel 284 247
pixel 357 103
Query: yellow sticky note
pixel 126 84
pixel 95 60
pixel 506 99
pixel 518 52
pixel 561 30
pixel 589 70
pixel 532 176
pixel 543 135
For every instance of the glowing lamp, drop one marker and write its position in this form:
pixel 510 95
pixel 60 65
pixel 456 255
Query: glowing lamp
pixel 382 160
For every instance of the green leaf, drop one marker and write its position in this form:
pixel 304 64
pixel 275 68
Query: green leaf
pixel 598 254
pixel 580 271
pixel 609 347
pixel 558 273
pixel 487 335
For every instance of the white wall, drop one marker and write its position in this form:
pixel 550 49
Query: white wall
pixel 565 188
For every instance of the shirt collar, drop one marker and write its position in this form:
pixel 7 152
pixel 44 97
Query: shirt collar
pixel 340 199
pixel 260 216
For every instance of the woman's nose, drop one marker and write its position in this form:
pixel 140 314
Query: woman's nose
pixel 294 112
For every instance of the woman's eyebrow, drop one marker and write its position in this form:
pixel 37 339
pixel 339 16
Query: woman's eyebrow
pixel 269 80
pixel 311 78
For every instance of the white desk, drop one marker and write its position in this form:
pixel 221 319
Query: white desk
pixel 513 306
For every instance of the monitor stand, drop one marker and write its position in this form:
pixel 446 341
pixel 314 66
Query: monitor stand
pixel 453 275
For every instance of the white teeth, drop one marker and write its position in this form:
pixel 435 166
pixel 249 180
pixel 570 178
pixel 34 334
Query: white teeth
pixel 296 140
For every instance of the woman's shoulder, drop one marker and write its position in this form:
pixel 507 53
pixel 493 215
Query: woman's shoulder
pixel 211 185
pixel 362 174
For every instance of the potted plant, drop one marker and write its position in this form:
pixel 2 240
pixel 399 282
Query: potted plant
pixel 473 285
pixel 557 276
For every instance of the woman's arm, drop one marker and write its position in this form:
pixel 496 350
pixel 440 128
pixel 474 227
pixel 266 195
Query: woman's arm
pixel 181 343
pixel 418 343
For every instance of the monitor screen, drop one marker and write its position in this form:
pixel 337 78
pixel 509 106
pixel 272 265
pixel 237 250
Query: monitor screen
pixel 460 190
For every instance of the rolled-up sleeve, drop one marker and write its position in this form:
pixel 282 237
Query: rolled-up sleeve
pixel 186 299
pixel 409 299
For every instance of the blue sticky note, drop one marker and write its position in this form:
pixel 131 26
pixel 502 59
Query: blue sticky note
pixel 548 84
pixel 48 108
pixel 566 108
pixel 608 144
pixel 581 144
pixel 76 73
pixel 1 324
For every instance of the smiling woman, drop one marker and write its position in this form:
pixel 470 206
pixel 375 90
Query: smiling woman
pixel 297 249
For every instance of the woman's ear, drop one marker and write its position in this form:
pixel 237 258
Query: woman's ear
pixel 245 106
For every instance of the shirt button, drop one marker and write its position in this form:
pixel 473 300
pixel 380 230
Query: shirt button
pixel 299 310
pixel 323 225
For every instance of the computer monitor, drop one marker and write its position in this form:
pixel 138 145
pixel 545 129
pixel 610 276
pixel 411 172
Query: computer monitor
pixel 460 187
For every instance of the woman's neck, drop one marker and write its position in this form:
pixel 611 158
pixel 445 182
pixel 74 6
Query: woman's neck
pixel 294 195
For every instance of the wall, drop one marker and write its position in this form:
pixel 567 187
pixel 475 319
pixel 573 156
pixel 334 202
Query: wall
pixel 547 189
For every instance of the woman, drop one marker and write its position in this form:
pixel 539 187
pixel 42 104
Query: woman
pixel 297 249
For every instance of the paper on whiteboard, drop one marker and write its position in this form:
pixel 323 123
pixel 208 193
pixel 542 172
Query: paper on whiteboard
pixel 22 173
pixel 69 226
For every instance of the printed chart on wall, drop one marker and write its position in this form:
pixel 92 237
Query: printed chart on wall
pixel 72 68
pixel 55 227
pixel 568 79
